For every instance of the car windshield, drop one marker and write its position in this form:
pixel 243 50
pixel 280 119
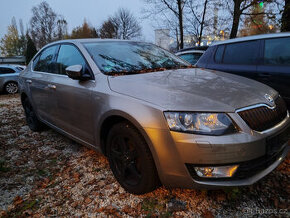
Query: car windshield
pixel 122 58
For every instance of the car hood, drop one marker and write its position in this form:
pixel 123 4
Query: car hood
pixel 192 90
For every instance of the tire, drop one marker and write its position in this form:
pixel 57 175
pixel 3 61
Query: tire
pixel 11 88
pixel 130 159
pixel 31 119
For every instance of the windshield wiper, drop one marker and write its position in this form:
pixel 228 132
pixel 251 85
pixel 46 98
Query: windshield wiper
pixel 147 70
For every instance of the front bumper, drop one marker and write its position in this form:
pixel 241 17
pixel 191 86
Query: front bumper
pixel 177 153
pixel 245 178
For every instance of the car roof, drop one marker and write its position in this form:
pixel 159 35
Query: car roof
pixel 8 65
pixel 190 52
pixel 90 40
pixel 255 37
pixel 86 40
pixel 199 48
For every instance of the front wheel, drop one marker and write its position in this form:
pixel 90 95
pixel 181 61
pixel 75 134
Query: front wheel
pixel 130 159
pixel 31 119
pixel 11 88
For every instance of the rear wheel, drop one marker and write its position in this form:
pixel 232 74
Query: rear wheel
pixel 130 159
pixel 11 88
pixel 31 119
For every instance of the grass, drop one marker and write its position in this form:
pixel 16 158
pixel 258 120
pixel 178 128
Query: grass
pixel 232 193
pixel 152 206
pixel 3 169
pixel 42 172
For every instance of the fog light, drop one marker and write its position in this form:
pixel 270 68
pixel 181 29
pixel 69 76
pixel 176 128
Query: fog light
pixel 216 172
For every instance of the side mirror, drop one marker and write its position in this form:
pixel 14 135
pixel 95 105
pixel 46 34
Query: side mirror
pixel 74 72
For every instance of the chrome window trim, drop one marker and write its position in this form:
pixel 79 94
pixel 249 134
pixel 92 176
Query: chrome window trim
pixel 54 74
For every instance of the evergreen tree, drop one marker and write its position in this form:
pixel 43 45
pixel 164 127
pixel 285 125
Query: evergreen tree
pixel 30 49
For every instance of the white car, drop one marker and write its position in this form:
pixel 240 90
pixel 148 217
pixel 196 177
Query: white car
pixel 191 55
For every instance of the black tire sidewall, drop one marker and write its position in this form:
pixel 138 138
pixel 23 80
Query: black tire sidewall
pixel 148 171
pixel 35 124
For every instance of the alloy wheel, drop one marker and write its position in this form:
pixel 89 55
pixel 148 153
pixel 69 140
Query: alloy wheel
pixel 11 88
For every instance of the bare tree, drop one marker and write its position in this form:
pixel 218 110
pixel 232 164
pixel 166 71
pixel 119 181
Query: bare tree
pixel 61 28
pixel 242 7
pixel 21 27
pixel 108 30
pixel 196 18
pixel 176 7
pixel 126 24
pixel 43 24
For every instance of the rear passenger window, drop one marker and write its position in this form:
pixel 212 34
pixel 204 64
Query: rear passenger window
pixel 192 58
pixel 69 55
pixel 219 54
pixel 5 70
pixel 242 53
pixel 277 51
pixel 46 62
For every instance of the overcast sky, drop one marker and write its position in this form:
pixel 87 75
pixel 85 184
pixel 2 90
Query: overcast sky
pixel 74 11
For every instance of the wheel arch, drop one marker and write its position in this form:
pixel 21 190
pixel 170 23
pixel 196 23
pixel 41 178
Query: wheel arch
pixel 113 117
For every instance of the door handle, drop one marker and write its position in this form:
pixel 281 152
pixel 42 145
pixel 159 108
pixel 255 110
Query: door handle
pixel 28 81
pixel 51 86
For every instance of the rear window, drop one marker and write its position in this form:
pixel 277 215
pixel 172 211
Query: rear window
pixel 277 51
pixel 191 57
pixel 242 53
pixel 6 70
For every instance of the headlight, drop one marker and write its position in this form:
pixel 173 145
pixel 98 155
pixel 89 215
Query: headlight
pixel 200 123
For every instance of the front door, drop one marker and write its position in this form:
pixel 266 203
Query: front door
pixel 74 104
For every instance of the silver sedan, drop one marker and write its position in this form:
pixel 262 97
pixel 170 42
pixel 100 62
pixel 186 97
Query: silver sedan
pixel 9 78
pixel 154 116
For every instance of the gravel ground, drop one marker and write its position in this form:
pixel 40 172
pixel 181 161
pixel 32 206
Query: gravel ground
pixel 46 174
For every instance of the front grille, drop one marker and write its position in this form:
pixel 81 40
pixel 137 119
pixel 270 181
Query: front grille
pixel 262 118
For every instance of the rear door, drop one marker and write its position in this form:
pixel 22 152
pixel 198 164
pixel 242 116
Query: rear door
pixel 238 58
pixel 38 82
pixel 275 69
pixel 74 101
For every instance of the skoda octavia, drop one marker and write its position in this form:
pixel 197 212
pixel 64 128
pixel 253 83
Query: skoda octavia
pixel 156 118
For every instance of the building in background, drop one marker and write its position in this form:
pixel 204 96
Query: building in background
pixel 12 60
pixel 162 38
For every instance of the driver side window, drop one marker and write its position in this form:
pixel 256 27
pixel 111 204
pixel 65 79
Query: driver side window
pixel 69 55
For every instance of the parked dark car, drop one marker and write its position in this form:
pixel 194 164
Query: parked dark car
pixel 265 58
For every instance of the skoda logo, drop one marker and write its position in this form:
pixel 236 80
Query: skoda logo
pixel 269 98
